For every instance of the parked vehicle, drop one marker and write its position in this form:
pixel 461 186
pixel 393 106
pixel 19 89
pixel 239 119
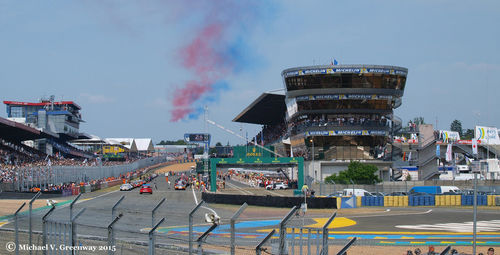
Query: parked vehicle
pixel 280 185
pixel 356 192
pixel 434 190
pixel 398 193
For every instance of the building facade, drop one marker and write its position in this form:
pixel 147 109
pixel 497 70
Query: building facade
pixel 345 111
pixel 62 118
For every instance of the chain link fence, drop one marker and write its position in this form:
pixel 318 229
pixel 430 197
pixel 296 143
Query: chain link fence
pixel 44 176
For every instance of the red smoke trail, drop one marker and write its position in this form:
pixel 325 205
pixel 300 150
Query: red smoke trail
pixel 184 98
pixel 203 58
pixel 216 51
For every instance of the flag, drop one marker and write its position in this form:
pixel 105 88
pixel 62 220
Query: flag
pixel 262 137
pixel 474 146
pixel 335 62
pixel 448 153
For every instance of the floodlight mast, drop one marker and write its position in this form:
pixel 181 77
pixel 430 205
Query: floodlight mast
pixel 241 137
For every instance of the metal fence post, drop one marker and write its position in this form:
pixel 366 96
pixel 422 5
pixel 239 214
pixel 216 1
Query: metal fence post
pixel 73 229
pixel 154 210
pixel 203 237
pixel 151 234
pixel 346 247
pixel 258 249
pixel 71 206
pixel 16 227
pixel 111 235
pixel 191 225
pixel 325 233
pixel 114 207
pixel 446 250
pixel 232 222
pixel 29 215
pixel 44 227
pixel 282 226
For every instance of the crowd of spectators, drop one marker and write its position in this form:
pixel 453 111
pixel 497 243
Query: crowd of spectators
pixel 255 179
pixel 364 120
pixel 271 134
pixel 66 186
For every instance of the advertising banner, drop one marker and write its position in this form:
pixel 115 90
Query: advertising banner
pixel 291 107
pixel 448 136
pixel 346 132
pixel 487 135
pixel 357 70
pixel 343 97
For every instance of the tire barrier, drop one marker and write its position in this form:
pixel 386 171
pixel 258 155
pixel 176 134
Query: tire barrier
pixel 396 201
pixel 469 200
pixel 429 200
pixel 448 200
pixel 372 201
pixel 270 201
pixel 421 200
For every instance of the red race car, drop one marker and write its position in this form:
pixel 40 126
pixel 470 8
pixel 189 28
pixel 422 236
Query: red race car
pixel 146 189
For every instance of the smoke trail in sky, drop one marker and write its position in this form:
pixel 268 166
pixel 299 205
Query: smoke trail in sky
pixel 217 50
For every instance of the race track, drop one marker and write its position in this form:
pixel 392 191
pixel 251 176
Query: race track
pixel 372 226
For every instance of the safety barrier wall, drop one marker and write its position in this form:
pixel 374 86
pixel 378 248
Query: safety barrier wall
pixel 44 175
pixel 429 200
pixel 273 201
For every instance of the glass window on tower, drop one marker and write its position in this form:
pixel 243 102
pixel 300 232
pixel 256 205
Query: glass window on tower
pixel 17 112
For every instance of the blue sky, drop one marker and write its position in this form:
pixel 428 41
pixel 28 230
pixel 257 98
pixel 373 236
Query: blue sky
pixel 119 60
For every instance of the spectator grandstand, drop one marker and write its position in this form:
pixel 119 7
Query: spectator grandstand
pixel 332 114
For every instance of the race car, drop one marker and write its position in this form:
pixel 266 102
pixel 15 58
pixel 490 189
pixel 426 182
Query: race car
pixel 126 187
pixel 146 188
pixel 180 185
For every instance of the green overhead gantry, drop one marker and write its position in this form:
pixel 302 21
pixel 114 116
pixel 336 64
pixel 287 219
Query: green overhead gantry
pixel 257 163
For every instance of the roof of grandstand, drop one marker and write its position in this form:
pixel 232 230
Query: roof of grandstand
pixel 267 109
pixel 129 143
pixel 43 103
pixel 17 132
pixel 144 144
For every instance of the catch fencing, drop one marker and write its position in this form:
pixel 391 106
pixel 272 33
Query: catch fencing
pixel 137 232
pixel 44 176
pixel 325 189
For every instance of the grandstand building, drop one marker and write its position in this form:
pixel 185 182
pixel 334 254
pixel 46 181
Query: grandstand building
pixel 62 117
pixel 332 115
pixel 59 120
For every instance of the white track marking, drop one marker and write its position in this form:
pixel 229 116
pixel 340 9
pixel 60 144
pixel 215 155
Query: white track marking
pixel 385 215
pixel 491 225
pixel 196 202
pixel 246 192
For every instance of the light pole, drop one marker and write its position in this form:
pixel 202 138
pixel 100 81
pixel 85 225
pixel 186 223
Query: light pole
pixel 312 141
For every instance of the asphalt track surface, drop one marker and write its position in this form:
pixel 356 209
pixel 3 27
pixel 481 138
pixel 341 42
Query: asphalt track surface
pixel 380 226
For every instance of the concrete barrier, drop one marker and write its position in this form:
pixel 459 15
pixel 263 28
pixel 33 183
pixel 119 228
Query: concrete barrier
pixel 270 201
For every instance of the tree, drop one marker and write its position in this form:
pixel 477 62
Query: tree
pixel 419 120
pixel 456 126
pixel 468 134
pixel 358 172
pixel 167 142
pixel 218 144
